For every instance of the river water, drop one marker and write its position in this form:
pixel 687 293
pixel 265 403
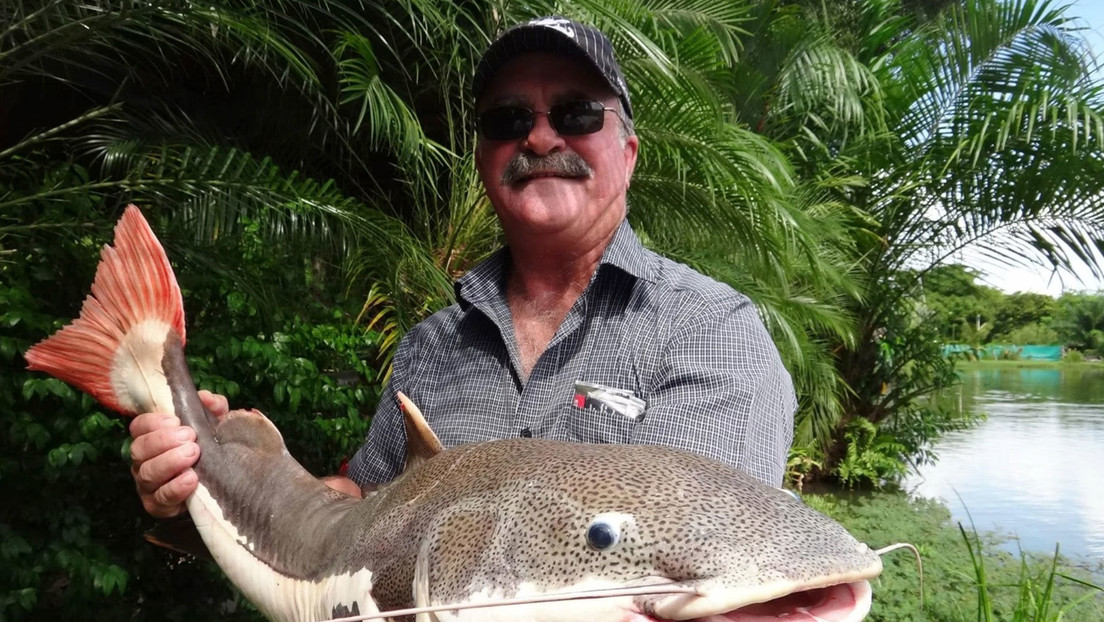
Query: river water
pixel 1034 469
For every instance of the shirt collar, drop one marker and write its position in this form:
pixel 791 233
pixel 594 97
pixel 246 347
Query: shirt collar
pixel 627 253
pixel 487 280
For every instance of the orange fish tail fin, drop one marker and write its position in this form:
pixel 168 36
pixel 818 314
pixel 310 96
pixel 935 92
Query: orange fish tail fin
pixel 113 350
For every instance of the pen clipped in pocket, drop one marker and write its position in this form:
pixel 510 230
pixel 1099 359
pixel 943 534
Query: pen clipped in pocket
pixel 609 400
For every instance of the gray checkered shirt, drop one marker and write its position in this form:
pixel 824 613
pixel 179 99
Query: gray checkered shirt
pixel 693 349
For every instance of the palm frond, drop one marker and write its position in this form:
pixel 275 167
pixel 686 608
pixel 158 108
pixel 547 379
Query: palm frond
pixel 1001 127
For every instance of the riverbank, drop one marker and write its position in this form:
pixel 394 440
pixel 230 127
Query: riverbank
pixel 1025 364
pixel 950 578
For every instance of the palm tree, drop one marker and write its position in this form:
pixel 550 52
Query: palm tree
pixel 988 134
pixel 925 127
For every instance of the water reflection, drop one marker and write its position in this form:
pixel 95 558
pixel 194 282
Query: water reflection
pixel 1071 386
pixel 1032 468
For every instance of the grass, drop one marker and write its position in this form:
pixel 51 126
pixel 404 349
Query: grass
pixel 1036 599
pixel 966 577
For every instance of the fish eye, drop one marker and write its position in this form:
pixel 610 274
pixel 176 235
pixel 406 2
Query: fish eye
pixel 602 535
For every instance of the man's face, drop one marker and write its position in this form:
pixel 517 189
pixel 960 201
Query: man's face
pixel 551 197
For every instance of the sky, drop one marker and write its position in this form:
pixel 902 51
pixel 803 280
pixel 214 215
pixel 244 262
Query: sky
pixel 1041 280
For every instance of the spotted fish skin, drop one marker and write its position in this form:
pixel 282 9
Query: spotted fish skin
pixel 501 516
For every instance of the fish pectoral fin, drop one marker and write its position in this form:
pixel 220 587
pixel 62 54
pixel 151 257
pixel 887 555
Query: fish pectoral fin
pixel 179 534
pixel 420 587
pixel 460 554
pixel 421 443
pixel 251 429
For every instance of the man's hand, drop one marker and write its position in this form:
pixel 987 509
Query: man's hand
pixel 162 456
pixel 163 453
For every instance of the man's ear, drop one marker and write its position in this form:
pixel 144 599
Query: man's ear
pixel 478 154
pixel 632 147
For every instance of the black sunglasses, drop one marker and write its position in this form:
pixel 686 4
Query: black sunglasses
pixel 573 118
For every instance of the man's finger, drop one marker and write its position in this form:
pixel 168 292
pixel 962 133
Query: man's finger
pixel 149 422
pixel 157 442
pixel 157 472
pixel 217 404
pixel 169 499
pixel 343 484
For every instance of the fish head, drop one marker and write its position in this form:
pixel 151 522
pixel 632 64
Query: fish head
pixel 575 518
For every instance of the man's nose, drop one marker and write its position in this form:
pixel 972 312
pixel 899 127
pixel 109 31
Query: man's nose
pixel 543 138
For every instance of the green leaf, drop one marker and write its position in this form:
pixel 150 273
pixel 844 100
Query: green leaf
pixel 295 395
pixel 82 450
pixel 110 578
pixel 13 546
pixel 37 434
pixel 58 456
pixel 27 597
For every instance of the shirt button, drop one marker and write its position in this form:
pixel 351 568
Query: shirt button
pixel 526 433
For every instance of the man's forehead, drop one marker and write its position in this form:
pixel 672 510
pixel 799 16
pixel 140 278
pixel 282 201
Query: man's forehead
pixel 508 98
pixel 562 77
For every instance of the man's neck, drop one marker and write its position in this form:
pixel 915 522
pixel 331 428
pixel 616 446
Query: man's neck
pixel 556 263
pixel 545 281
pixel 549 275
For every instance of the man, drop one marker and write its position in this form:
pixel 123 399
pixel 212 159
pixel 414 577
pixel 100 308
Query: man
pixel 574 331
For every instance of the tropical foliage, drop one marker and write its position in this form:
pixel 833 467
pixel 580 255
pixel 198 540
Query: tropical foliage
pixel 981 110
pixel 308 166
pixel 1081 320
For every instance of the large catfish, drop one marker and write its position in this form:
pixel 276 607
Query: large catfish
pixel 477 525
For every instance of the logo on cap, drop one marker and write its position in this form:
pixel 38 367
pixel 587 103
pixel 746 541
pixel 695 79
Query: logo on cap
pixel 562 25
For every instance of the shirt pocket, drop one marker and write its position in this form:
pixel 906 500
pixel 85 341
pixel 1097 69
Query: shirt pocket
pixel 594 425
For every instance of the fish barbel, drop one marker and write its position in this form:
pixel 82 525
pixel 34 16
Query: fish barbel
pixel 475 525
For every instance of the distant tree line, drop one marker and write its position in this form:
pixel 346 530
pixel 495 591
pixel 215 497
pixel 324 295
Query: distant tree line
pixel 972 313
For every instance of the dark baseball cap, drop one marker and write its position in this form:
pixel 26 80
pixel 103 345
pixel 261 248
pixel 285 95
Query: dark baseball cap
pixel 554 35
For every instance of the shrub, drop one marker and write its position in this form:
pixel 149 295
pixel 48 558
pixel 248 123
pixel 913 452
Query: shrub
pixel 1073 356
pixel 872 457
pixel 1034 333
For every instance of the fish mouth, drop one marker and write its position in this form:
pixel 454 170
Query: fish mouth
pixel 841 602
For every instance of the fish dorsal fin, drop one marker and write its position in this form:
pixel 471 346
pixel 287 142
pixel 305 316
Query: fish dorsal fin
pixel 421 442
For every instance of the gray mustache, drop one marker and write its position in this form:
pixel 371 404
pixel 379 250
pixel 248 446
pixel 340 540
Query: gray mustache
pixel 561 163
